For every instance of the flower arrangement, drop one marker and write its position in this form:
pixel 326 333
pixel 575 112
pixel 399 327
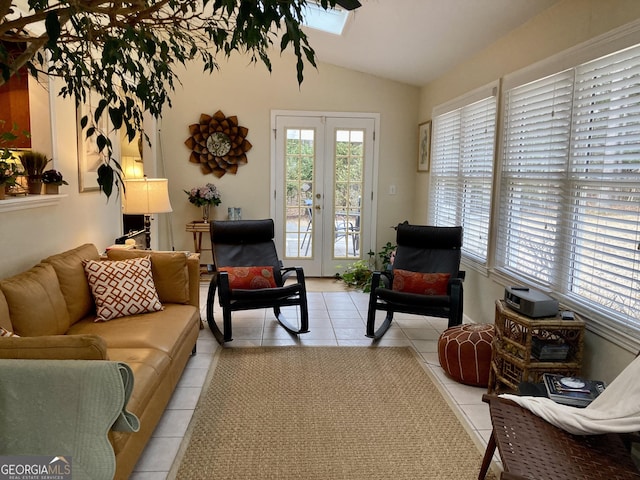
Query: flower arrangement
pixel 53 177
pixel 207 195
pixel 8 173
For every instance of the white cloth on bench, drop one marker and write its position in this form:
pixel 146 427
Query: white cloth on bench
pixel 617 409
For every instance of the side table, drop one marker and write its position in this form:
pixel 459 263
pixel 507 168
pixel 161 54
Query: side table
pixel 198 227
pixel 512 359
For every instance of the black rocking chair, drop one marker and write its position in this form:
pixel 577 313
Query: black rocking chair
pixel 423 249
pixel 249 243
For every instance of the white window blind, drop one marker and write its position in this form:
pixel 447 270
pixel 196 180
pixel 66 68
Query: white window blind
pixel 462 154
pixel 535 150
pixel 603 246
pixel 569 215
pixel 445 154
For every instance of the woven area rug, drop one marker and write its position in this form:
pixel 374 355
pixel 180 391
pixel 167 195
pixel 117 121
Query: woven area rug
pixel 324 413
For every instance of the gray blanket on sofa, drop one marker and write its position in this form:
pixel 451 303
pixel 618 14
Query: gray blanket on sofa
pixel 65 408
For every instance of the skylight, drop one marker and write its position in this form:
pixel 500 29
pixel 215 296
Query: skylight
pixel 331 20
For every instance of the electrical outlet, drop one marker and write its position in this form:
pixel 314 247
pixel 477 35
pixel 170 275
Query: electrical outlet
pixel 392 189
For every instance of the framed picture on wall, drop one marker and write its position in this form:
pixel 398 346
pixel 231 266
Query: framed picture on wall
pixel 89 155
pixel 424 146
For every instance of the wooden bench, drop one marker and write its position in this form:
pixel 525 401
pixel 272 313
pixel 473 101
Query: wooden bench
pixel 532 448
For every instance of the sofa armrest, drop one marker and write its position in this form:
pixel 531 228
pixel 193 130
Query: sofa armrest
pixel 193 268
pixel 54 347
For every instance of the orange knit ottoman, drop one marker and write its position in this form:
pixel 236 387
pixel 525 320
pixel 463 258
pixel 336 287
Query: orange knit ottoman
pixel 464 352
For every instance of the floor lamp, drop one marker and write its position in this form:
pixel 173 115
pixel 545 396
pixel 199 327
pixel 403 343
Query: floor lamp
pixel 146 196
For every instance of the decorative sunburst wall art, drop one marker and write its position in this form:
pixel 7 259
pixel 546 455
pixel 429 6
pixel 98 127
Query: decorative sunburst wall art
pixel 218 144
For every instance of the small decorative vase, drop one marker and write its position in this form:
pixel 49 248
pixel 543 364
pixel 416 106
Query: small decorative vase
pixel 205 212
pixel 234 213
pixel 51 189
pixel 34 185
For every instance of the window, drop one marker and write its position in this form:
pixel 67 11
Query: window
pixel 332 20
pixel 569 203
pixel 462 168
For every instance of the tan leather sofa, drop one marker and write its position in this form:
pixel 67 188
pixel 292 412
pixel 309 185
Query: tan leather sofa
pixel 51 308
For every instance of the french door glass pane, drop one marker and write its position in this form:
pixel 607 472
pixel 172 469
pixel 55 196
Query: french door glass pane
pixel 348 188
pixel 299 170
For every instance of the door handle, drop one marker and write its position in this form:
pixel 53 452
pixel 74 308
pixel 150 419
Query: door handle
pixel 317 207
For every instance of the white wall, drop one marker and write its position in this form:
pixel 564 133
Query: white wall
pixel 251 93
pixel 566 24
pixel 31 235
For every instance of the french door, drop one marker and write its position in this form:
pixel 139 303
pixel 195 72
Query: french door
pixel 323 172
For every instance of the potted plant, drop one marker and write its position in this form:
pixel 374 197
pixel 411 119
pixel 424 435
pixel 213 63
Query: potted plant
pixel 358 274
pixel 34 164
pixel 8 174
pixel 205 197
pixel 52 180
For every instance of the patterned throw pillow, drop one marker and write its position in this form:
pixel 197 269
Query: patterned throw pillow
pixel 6 333
pixel 250 278
pixel 122 288
pixel 421 283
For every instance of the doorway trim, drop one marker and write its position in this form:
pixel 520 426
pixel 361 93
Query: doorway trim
pixel 308 113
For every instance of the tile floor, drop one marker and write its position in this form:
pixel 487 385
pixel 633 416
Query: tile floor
pixel 337 318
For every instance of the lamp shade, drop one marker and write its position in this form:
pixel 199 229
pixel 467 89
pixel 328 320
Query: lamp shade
pixel 145 196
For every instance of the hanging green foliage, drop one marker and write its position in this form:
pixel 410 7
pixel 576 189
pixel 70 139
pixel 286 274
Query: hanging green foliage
pixel 122 55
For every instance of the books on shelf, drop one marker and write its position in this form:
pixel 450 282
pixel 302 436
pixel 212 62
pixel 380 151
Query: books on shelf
pixel 549 350
pixel 573 391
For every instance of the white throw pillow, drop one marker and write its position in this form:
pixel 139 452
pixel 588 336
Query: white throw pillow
pixel 122 288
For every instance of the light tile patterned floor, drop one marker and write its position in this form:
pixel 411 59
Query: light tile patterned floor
pixel 337 318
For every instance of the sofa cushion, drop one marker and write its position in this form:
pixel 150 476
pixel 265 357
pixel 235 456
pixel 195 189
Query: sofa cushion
pixel 36 304
pixel 73 282
pixel 169 269
pixel 165 330
pixel 122 288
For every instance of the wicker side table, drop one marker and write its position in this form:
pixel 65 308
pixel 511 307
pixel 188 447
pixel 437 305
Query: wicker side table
pixel 512 360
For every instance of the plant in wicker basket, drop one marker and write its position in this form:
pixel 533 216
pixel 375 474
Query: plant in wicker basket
pixel 34 164
pixel 218 144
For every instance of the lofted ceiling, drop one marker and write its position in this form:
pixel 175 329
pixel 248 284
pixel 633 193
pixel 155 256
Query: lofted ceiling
pixel 415 41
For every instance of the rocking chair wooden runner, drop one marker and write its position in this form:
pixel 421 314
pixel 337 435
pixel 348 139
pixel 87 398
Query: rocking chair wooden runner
pixel 249 275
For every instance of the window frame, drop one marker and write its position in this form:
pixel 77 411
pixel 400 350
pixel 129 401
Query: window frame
pixel 600 320
pixel 479 175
